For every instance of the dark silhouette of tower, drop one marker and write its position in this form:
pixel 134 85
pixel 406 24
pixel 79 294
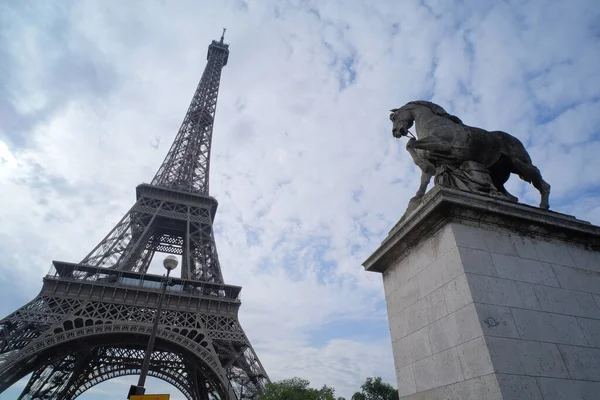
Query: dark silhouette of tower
pixel 91 320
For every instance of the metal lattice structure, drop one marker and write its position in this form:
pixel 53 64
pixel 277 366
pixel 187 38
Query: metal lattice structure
pixel 92 320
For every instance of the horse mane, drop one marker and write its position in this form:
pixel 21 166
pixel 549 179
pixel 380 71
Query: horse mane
pixel 438 110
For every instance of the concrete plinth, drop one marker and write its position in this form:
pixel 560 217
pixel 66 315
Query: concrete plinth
pixel 492 300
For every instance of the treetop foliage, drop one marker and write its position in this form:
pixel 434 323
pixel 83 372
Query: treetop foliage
pixel 299 389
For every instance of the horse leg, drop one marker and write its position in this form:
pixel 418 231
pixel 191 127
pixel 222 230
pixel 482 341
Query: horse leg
pixel 505 192
pixel 500 172
pixel 531 174
pixel 427 168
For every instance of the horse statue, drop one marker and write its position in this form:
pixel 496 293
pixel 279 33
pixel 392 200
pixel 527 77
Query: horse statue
pixel 462 156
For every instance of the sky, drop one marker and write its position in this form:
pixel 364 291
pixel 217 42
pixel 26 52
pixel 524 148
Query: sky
pixel 307 174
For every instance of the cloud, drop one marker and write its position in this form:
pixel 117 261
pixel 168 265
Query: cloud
pixel 308 176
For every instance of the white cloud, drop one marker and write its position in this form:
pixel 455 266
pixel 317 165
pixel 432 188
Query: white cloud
pixel 308 176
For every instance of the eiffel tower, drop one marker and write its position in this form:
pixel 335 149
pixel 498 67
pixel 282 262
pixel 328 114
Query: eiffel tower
pixel 92 320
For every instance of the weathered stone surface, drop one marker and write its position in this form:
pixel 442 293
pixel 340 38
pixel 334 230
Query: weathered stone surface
pixel 424 311
pixel 525 247
pixel 578 279
pixel 474 358
pixel 481 388
pixel 515 387
pixel 477 261
pixel 406 380
pixel 522 357
pixel 554 253
pixel 524 270
pixel 454 329
pixel 496 321
pixel 438 370
pixel 570 302
pixel 504 292
pixel 568 389
pixel 403 297
pixel 413 347
pixel 457 293
pixel 547 327
pixel 398 328
pixel 582 362
pixel 440 272
pixel 585 259
pixel 591 330
pixel 470 237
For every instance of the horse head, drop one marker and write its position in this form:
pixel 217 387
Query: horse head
pixel 402 119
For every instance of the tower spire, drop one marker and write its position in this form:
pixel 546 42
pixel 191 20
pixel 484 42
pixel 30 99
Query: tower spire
pixel 223 35
pixel 187 164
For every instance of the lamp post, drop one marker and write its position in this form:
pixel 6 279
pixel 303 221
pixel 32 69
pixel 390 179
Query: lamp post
pixel 170 263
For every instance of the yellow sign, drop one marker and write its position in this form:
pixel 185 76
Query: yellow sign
pixel 150 397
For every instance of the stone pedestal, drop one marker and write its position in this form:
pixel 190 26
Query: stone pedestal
pixel 488 299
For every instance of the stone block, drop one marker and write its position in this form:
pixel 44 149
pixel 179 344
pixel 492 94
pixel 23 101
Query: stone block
pixel 499 242
pixel 442 241
pixel 404 296
pixel 503 292
pixel 469 236
pixel 406 380
pixel 435 306
pixel 415 316
pixel 398 328
pixel 515 387
pixel 525 247
pixel 438 370
pixel 412 347
pixel 418 259
pixel 582 362
pixel 483 239
pixel 564 301
pixel 454 329
pixel 440 272
pixel 522 357
pixel 585 259
pixel 568 389
pixel 474 358
pixel 496 321
pixel 578 279
pixel 481 388
pixel 395 275
pixel 554 253
pixel 457 293
pixel 425 311
pixel 477 261
pixel 548 327
pixel 524 270
pixel 591 330
pixel 388 282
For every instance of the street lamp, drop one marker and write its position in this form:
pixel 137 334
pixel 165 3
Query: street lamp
pixel 170 263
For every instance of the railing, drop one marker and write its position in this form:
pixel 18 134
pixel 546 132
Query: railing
pixel 104 276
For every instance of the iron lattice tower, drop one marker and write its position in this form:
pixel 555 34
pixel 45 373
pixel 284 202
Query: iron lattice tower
pixel 91 320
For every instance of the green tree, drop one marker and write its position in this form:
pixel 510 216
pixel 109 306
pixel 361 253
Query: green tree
pixel 376 389
pixel 295 389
